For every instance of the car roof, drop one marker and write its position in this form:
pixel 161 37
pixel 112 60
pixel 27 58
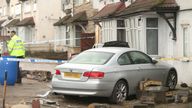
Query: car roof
pixel 112 49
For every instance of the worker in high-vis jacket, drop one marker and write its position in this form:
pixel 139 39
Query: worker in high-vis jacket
pixel 16 48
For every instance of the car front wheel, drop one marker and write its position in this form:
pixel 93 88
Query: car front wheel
pixel 171 80
pixel 120 92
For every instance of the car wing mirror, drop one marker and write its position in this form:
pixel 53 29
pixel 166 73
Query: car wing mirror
pixel 154 61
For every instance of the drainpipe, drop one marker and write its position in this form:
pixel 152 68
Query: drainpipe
pixel 8 15
pixel 21 17
pixel 8 8
pixel 73 5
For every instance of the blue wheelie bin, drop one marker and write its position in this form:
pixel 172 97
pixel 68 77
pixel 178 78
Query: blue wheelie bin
pixel 11 67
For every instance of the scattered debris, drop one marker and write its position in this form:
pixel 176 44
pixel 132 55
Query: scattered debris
pixel 36 103
pixel 70 106
pixel 44 95
pixel 98 105
pixel 140 105
pixel 37 75
pixel 148 83
pixel 21 106
pixel 184 85
pixel 49 103
pixel 153 92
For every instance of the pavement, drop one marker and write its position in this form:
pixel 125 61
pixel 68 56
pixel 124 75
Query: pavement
pixel 23 92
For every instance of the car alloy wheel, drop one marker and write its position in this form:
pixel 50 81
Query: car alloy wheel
pixel 119 93
pixel 172 80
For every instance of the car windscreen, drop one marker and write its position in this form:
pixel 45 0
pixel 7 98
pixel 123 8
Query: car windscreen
pixel 91 57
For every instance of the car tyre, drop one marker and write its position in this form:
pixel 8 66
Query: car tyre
pixel 171 80
pixel 119 93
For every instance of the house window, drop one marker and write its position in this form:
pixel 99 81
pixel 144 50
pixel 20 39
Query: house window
pixel 1 11
pixel 35 5
pixel 109 31
pixel 133 32
pixel 78 2
pixel 12 10
pixel 66 2
pixel 78 35
pixel 186 41
pixel 67 35
pixel 121 30
pixel 152 36
pixel 27 7
pixel 61 35
pixel 18 9
pixel 29 33
pixel 4 11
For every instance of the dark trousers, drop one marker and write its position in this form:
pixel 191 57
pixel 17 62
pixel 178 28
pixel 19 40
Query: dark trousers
pixel 19 76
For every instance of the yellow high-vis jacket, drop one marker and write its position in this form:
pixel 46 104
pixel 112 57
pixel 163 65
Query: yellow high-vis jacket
pixel 16 46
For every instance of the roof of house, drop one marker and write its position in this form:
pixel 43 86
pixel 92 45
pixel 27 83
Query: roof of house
pixel 78 17
pixel 148 5
pixel 26 21
pixel 60 22
pixel 168 4
pixel 109 9
pixel 12 23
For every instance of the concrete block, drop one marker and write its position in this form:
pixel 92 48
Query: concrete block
pixel 170 99
pixel 157 97
pixel 156 88
pixel 140 105
pixel 183 92
pixel 184 99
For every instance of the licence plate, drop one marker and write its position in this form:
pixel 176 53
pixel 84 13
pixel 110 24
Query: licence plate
pixel 72 75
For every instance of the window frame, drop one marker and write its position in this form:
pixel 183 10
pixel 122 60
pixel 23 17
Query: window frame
pixel 152 28
pixel 151 61
pixel 111 56
pixel 186 40
pixel 131 62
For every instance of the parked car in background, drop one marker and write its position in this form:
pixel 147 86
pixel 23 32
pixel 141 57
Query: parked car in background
pixel 111 44
pixel 112 72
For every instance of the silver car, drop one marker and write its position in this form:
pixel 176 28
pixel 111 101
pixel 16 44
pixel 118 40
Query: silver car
pixel 110 72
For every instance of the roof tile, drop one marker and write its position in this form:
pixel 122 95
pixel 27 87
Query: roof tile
pixel 109 9
pixel 148 5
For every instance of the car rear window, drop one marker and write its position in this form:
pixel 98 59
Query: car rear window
pixel 91 57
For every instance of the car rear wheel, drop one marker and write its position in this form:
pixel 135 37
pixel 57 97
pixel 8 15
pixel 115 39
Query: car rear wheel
pixel 120 92
pixel 171 80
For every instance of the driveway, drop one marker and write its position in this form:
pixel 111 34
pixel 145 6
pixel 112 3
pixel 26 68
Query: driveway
pixel 30 88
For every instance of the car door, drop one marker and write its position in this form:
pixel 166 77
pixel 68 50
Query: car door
pixel 129 71
pixel 149 70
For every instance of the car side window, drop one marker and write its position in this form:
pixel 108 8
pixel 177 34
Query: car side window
pixel 124 59
pixel 139 58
